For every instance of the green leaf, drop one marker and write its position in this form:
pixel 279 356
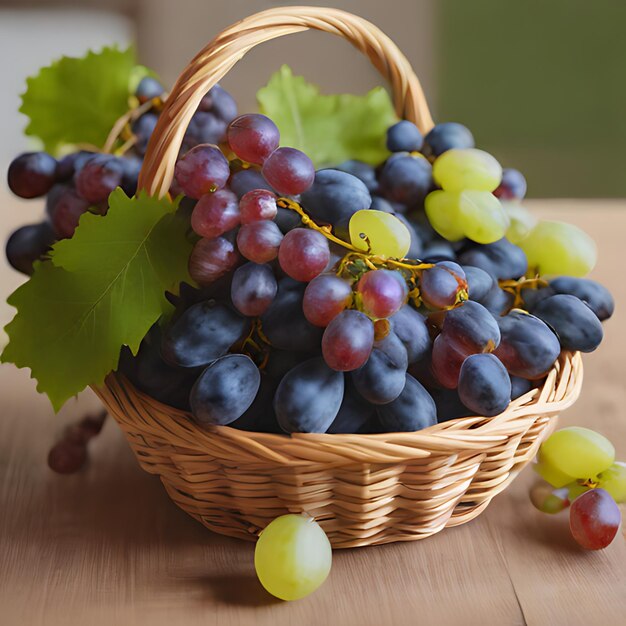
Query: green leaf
pixel 103 289
pixel 329 129
pixel 77 100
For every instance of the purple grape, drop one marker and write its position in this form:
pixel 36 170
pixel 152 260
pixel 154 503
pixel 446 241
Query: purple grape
pixel 259 241
pixel 484 385
pixel 204 128
pixel 303 254
pixel 289 171
pixel 98 177
pixel 32 174
pixel 348 341
pixel 243 181
pixel 219 102
pixel 512 186
pixel 325 297
pixel 253 137
pixel 257 205
pixel 66 212
pixel 212 258
pixel 204 169
pixel 143 128
pixel 382 292
pixel 27 245
pixel 440 285
pixel 215 213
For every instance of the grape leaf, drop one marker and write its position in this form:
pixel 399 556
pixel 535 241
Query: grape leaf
pixel 330 129
pixel 103 289
pixel 78 99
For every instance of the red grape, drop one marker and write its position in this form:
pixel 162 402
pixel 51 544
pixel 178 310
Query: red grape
pixel 253 137
pixel 67 457
pixel 325 297
pixel 382 293
pixel 98 177
pixel 257 205
pixel 212 258
pixel 594 519
pixel 348 340
pixel 289 171
pixel 32 174
pixel 446 362
pixel 66 212
pixel 259 241
pixel 303 254
pixel 204 169
pixel 215 213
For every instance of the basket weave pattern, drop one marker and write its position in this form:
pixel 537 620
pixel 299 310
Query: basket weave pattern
pixel 363 489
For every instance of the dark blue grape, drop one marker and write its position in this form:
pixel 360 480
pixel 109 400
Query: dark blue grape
pixel 484 385
pixel 225 390
pixel 253 288
pixel 501 259
pixel 148 88
pixel 335 196
pixel 243 181
pixel 308 397
pixel 382 378
pixel 131 167
pixel 497 301
pixel 415 249
pixel 219 102
pixel 201 334
pixel 363 171
pixel 404 137
pixel 406 179
pixel 412 410
pixel 287 220
pixel 284 323
pixel 519 386
pixel 71 163
pixel 446 136
pixel 354 414
pixel 281 361
pixel 596 296
pixel 259 417
pixel 471 328
pixel 147 370
pixel 528 348
pixel 204 128
pixel 438 251
pixel 32 174
pixel 449 405
pixel 512 186
pixel 410 327
pixel 479 282
pixel 142 128
pixel 576 325
pixel 27 245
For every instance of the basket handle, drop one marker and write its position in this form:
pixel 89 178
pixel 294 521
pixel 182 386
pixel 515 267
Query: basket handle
pixel 221 54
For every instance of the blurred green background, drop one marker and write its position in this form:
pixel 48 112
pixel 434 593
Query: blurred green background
pixel 542 84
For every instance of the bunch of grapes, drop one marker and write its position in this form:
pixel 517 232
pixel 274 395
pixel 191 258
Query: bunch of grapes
pixel 578 466
pixel 81 181
pixel 353 299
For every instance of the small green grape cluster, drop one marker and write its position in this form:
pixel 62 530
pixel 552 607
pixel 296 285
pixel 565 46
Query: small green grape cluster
pixel 579 468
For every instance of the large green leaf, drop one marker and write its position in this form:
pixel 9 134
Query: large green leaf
pixel 77 100
pixel 329 128
pixel 103 289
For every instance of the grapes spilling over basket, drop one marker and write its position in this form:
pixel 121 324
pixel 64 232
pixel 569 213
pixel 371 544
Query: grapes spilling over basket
pixel 349 299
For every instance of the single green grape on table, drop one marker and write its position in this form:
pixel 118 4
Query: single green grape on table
pixel 386 234
pixel 292 557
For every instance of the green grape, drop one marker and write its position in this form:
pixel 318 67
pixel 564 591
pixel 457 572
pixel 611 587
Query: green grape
pixel 482 216
pixel 613 480
pixel 577 452
pixel 547 499
pixel 551 474
pixel 292 557
pixel 387 235
pixel 458 170
pixel 521 221
pixel 557 248
pixel 442 210
pixel 576 489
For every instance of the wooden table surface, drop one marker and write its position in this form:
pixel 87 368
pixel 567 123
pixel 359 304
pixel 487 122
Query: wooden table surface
pixel 106 546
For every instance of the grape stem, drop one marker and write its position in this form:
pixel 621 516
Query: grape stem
pixel 514 287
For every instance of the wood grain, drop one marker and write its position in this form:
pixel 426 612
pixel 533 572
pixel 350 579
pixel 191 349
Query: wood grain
pixel 108 547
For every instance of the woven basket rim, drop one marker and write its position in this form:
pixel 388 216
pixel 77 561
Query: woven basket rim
pixel 559 391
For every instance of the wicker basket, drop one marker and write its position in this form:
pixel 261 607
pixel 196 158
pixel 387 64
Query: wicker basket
pixel 363 489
